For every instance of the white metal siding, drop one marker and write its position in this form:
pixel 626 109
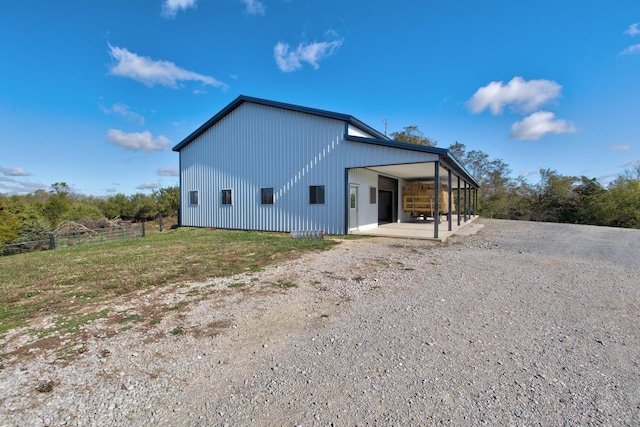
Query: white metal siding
pixel 354 131
pixel 368 213
pixel 256 146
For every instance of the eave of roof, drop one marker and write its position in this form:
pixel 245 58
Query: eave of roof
pixel 242 98
pixel 442 152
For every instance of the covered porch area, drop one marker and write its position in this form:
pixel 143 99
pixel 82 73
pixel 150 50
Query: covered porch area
pixel 425 200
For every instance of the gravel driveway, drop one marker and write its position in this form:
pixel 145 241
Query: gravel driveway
pixel 521 324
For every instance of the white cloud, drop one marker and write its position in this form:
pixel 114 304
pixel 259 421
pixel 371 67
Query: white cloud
pixel 171 7
pixel 124 111
pixel 14 172
pixel 539 124
pixel 150 72
pixel 137 141
pixel 254 7
pixel 633 29
pixel 527 174
pixel 149 186
pixel 607 177
pixel 520 94
pixel 169 171
pixel 620 148
pixel 291 60
pixel 631 164
pixel 21 187
pixel 631 49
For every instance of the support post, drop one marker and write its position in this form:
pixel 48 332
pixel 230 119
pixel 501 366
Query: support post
pixel 458 203
pixel 436 213
pixel 143 230
pixel 52 241
pixel 160 218
pixel 466 201
pixel 475 206
pixel 450 192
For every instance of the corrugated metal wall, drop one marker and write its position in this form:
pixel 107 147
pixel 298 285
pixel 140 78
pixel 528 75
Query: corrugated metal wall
pixel 257 146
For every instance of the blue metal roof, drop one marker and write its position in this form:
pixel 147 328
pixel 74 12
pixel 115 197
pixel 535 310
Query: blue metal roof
pixel 379 138
pixel 242 98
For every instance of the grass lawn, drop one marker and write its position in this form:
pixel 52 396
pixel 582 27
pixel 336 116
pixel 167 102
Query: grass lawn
pixel 62 280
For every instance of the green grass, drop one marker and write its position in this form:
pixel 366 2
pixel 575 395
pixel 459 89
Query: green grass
pixel 236 285
pixel 132 318
pixel 74 323
pixel 285 284
pixel 65 279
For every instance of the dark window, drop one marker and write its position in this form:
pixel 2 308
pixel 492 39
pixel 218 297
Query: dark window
pixel 226 197
pixel 373 195
pixel 316 195
pixel 266 196
pixel 193 197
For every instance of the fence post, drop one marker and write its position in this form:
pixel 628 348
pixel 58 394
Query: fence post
pixel 143 227
pixel 160 218
pixel 52 241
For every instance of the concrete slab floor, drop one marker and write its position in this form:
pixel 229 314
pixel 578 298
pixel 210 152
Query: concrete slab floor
pixel 423 229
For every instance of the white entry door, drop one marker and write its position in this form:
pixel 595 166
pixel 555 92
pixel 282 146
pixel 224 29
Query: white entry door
pixel 353 207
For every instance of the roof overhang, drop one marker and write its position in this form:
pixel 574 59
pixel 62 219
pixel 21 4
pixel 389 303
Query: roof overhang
pixel 411 170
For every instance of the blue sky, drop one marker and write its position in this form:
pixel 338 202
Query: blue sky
pixel 96 93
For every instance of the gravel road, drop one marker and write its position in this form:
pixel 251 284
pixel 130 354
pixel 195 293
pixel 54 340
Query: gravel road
pixel 521 324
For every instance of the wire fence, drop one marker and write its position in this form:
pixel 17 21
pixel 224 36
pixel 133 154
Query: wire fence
pixel 73 238
pixel 24 247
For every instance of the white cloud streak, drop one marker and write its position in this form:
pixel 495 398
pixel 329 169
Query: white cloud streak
pixel 631 164
pixel 538 124
pixel 291 60
pixel 527 174
pixel 519 94
pixel 149 72
pixel 14 172
pixel 633 29
pixel 149 185
pixel 631 49
pixel 254 7
pixel 620 148
pixel 137 141
pixel 14 186
pixel 169 171
pixel 124 111
pixel 171 7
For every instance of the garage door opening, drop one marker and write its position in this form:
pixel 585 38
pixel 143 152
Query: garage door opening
pixel 387 200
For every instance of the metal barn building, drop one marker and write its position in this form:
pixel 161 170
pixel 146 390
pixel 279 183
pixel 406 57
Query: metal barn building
pixel 265 165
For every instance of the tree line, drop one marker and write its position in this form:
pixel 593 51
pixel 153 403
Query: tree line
pixel 32 216
pixel 555 198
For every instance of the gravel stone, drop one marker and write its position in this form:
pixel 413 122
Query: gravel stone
pixel 522 324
